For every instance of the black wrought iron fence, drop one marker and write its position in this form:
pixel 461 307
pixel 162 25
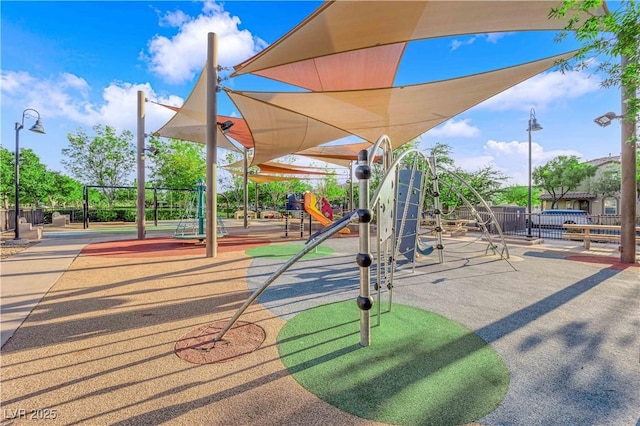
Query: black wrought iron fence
pixel 514 222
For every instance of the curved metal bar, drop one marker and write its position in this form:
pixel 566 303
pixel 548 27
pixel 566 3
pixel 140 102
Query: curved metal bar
pixel 485 205
pixel 279 272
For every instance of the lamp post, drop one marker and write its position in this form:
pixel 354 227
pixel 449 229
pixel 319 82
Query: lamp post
pixel 533 126
pixel 36 128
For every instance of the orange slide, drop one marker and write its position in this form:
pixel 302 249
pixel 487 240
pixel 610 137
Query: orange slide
pixel 310 201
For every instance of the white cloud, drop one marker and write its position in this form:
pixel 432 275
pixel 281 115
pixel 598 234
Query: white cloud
pixel 544 89
pixel 489 37
pixel 494 37
pixel 68 98
pixel 179 58
pixel 455 44
pixel 455 128
pixel 512 158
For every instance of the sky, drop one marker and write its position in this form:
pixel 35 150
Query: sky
pixel 80 64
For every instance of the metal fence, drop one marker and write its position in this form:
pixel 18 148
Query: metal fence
pixel 513 222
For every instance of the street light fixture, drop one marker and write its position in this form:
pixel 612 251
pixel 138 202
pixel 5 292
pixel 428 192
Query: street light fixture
pixel 36 128
pixel 606 119
pixel 225 126
pixel 533 126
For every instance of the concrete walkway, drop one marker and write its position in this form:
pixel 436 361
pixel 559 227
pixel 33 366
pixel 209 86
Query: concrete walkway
pixel 28 275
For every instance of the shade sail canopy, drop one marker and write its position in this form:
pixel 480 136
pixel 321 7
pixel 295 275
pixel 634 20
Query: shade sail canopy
pixel 345 26
pixel 190 121
pixel 342 155
pixel 361 69
pixel 278 132
pixel 278 168
pixel 402 113
pixel 263 178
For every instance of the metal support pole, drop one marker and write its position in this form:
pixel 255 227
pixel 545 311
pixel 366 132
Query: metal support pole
pixel 85 207
pixel 17 181
pixel 212 145
pixel 140 164
pixel 628 190
pixel 364 258
pixel 530 199
pixel 200 206
pixel 246 188
pixel 155 206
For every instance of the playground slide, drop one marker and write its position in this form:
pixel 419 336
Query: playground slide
pixel 310 201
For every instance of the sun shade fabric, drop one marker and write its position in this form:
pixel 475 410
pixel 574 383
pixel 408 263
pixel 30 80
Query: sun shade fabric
pixel 263 178
pixel 344 26
pixel 189 123
pixel 402 113
pixel 342 155
pixel 278 132
pixel 280 168
pixel 361 69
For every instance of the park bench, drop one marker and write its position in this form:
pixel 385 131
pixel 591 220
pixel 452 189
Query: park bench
pixel 583 233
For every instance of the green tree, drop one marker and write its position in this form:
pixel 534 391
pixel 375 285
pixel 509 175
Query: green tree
pixel 329 188
pixel 517 195
pixel 608 37
pixel 35 179
pixel 105 159
pixel 276 192
pixel 176 163
pixel 7 169
pixel 65 191
pixel 561 175
pixel 608 183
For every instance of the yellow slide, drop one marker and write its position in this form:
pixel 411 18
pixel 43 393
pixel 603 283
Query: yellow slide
pixel 310 202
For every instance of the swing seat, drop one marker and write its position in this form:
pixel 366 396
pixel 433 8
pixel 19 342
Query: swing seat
pixel 424 249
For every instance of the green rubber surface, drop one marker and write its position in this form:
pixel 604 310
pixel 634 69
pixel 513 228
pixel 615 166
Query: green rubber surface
pixel 420 369
pixel 287 251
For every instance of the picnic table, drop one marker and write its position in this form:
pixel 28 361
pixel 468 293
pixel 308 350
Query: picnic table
pixel 454 226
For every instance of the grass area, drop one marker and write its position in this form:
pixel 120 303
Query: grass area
pixel 287 251
pixel 421 368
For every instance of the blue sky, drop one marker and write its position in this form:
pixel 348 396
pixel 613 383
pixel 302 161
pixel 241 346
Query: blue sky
pixel 81 63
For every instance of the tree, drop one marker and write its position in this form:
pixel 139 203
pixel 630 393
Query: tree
pixel 105 159
pixel 561 175
pixel 329 188
pixel 64 190
pixel 517 195
pixel 486 181
pixel 7 169
pixel 277 191
pixel 609 37
pixel 608 183
pixel 35 179
pixel 177 164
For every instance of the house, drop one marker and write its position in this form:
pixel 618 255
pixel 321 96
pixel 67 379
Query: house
pixel 585 197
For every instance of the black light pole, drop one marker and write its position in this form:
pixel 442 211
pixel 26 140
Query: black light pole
pixel 533 126
pixel 37 128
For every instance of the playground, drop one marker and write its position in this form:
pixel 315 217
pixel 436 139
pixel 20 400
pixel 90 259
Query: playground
pixel 556 335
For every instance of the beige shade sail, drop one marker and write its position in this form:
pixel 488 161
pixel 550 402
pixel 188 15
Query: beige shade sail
pixel 278 132
pixel 345 26
pixel 189 123
pixel 264 178
pixel 341 155
pixel 279 168
pixel 402 113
